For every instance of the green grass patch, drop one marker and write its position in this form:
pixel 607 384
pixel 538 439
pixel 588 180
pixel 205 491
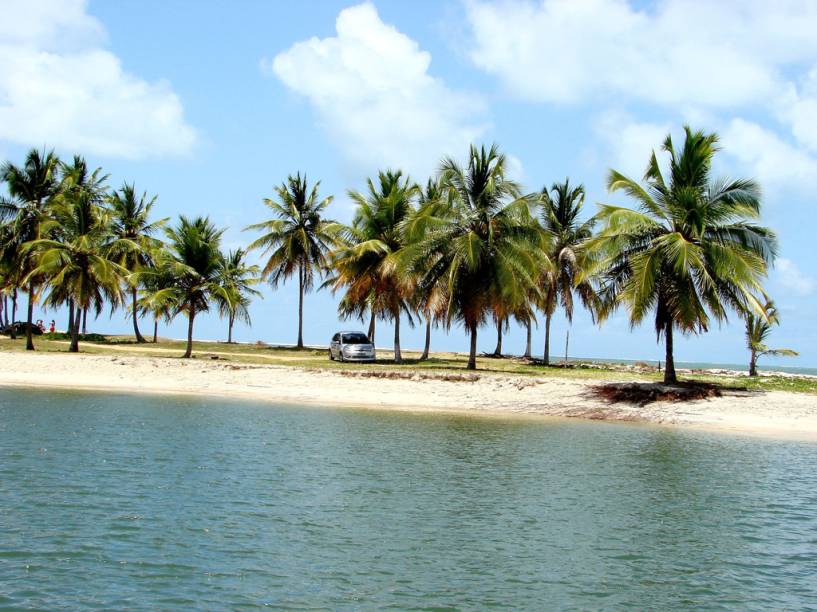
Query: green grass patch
pixel 443 363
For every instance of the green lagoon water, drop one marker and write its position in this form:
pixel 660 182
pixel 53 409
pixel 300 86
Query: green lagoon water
pixel 117 501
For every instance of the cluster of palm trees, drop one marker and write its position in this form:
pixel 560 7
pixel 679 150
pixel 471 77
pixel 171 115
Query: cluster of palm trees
pixel 471 247
pixel 467 247
pixel 66 239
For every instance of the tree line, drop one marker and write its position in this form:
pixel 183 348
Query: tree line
pixel 68 240
pixel 468 247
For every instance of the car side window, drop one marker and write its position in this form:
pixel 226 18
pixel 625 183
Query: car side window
pixel 336 337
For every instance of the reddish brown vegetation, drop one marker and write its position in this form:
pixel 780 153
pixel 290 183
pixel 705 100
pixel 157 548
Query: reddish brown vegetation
pixel 642 394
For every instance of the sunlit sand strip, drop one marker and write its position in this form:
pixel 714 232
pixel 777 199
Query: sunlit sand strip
pixel 777 414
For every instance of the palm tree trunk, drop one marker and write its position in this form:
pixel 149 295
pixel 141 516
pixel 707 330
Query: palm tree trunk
pixel 70 317
pixel 301 306
pixel 528 327
pixel 753 364
pixel 567 344
pixel 472 355
pixel 546 358
pixel 669 369
pixel 13 312
pixel 398 358
pixel 135 314
pixel 74 311
pixel 427 346
pixel 155 330
pixel 190 316
pixel 230 320
pixel 29 331
pixel 372 327
pixel 498 349
pixel 84 321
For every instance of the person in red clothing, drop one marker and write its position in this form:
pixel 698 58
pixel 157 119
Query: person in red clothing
pixel 52 326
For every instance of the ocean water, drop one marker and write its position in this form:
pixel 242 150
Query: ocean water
pixel 131 502
pixel 770 365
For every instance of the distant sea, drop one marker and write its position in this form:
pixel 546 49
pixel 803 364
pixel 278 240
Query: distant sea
pixel 705 365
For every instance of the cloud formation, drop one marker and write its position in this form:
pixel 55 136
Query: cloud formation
pixel 775 162
pixel 371 88
pixel 791 278
pixel 689 58
pixel 60 87
pixel 681 52
pixel 629 142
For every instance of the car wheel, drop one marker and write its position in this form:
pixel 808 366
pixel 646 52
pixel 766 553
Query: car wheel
pixel 331 357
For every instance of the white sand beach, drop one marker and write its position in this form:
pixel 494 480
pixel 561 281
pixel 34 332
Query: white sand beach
pixel 778 414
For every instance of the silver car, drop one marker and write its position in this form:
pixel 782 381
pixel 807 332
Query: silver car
pixel 351 346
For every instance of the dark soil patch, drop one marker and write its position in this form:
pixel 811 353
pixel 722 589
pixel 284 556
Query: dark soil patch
pixel 641 394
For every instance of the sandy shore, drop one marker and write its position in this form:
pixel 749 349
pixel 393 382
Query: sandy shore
pixel 776 414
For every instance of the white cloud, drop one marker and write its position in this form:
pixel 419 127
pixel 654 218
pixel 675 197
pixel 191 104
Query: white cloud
pixel 791 278
pixel 773 161
pixel 515 169
pixel 749 150
pixel 60 87
pixel 629 143
pixel 681 52
pixel 703 62
pixel 798 107
pixel 371 88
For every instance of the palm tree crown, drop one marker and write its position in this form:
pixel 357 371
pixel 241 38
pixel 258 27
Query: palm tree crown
pixel 188 269
pixel 237 278
pixel 691 250
pixel 366 267
pixel 297 238
pixel 78 263
pixel 567 234
pixel 31 189
pixel 132 225
pixel 434 208
pixel 489 250
pixel 758 328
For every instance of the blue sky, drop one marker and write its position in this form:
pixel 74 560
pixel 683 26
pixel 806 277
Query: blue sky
pixel 210 104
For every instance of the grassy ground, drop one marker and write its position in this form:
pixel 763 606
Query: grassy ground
pixel 442 362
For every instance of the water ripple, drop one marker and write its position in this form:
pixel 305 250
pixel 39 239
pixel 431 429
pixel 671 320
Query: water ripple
pixel 174 503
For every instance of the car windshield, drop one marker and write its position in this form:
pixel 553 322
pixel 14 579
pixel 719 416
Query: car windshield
pixel 356 338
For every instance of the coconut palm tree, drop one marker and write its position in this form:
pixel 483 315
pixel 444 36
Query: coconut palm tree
pixel 758 328
pixel 366 267
pixel 10 273
pixel 567 233
pixel 490 249
pixel 297 238
pixel 31 188
pixel 79 267
pixel 501 316
pixel 77 182
pixel 192 262
pixel 132 225
pixel 433 209
pixel 690 251
pixel 154 295
pixel 237 278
